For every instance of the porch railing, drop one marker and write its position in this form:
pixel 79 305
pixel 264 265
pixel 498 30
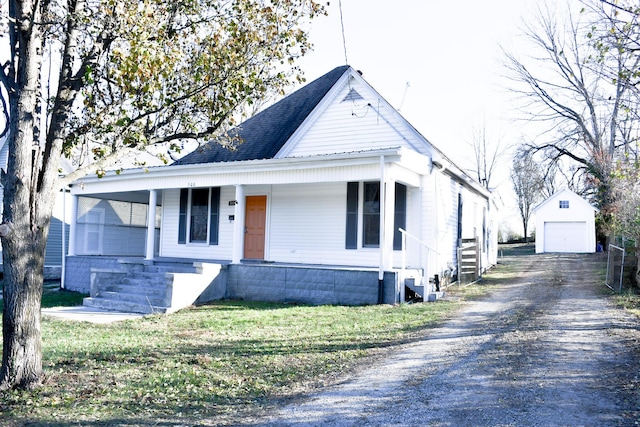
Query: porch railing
pixel 426 266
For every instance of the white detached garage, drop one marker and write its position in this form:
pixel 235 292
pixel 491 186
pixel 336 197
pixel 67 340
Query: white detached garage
pixel 565 222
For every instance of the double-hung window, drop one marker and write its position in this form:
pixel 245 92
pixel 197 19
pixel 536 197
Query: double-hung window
pixel 371 215
pixel 363 207
pixel 199 218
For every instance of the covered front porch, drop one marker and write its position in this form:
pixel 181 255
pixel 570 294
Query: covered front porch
pixel 303 251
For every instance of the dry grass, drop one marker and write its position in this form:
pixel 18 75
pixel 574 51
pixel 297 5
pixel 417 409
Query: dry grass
pixel 205 362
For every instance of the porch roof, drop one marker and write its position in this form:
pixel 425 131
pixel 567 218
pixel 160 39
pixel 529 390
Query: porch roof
pixel 363 165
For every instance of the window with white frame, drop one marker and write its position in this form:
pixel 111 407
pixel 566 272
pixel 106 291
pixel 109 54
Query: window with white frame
pixel 199 215
pixel 564 204
pixel 363 206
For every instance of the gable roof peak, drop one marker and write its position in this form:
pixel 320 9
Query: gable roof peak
pixel 264 134
pixel 568 193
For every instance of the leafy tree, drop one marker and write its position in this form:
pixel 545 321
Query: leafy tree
pixel 626 211
pixel 626 185
pixel 122 75
pixel 527 180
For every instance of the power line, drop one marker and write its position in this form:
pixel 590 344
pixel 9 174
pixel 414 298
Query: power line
pixel 344 40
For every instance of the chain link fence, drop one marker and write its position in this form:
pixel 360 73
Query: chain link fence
pixel 615 267
pixel 622 263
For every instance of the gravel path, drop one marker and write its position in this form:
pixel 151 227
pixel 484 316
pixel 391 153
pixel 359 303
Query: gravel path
pixel 546 349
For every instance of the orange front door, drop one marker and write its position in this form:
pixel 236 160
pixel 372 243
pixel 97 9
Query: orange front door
pixel 255 227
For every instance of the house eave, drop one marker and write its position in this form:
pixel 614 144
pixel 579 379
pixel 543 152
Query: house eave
pixel 147 178
pixel 452 170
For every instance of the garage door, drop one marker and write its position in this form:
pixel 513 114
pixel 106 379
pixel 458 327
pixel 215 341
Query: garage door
pixel 565 237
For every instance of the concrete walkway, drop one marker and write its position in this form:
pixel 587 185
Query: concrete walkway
pixel 88 314
pixel 81 313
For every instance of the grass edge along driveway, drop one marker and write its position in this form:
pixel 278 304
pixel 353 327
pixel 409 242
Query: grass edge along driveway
pixel 217 361
pixel 210 361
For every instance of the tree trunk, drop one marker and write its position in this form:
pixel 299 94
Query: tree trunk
pixel 27 211
pixel 27 216
pixel 22 337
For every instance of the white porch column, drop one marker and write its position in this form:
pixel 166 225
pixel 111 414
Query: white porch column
pixel 383 181
pixel 389 222
pixel 151 225
pixel 71 248
pixel 387 210
pixel 238 226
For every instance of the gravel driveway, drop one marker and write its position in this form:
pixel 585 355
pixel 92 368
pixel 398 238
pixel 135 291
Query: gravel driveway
pixel 545 349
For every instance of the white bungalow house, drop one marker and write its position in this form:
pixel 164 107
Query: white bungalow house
pixel 307 208
pixel 565 222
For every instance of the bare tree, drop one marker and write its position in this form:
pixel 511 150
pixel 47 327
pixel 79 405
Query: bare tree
pixel 568 91
pixel 487 152
pixel 527 180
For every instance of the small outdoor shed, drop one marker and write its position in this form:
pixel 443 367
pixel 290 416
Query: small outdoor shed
pixel 565 222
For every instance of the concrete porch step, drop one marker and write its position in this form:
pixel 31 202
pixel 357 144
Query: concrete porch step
pixel 139 297
pixel 172 268
pixel 122 306
pixel 150 287
pixel 434 296
pixel 147 279
pixel 156 291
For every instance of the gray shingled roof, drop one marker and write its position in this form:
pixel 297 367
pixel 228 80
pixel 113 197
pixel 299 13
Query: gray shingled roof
pixel 264 134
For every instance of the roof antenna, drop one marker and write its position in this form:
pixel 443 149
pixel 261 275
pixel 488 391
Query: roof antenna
pixel 344 40
pixel 404 95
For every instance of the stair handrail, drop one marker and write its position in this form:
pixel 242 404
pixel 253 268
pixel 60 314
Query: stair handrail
pixel 429 248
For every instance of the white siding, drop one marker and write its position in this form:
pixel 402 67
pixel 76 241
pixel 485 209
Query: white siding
pixel 304 223
pixel 347 126
pixel 308 226
pixel 473 215
pixel 578 212
pixel 169 230
pixel 440 217
pixel 439 220
pixel 414 253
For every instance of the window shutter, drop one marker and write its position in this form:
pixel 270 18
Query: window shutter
pixel 351 239
pixel 400 215
pixel 371 214
pixel 214 219
pixel 182 218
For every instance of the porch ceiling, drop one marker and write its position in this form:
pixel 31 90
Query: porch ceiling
pixel 127 196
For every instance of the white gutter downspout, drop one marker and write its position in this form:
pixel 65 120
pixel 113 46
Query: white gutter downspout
pixel 438 193
pixel 382 230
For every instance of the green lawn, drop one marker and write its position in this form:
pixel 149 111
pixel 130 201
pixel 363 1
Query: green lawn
pixel 213 361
